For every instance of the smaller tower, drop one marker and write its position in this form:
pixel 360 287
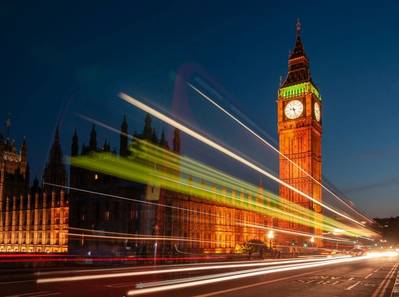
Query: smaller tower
pixel 55 172
pixel 154 137
pixel 75 144
pixel 176 141
pixel 106 146
pixel 147 130
pixel 123 145
pixel 24 150
pixel 8 126
pixel 93 139
pixel 163 142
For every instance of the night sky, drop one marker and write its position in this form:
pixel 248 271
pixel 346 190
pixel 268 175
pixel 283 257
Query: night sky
pixel 54 53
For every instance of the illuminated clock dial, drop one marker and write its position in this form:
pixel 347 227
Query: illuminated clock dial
pixel 317 112
pixel 293 109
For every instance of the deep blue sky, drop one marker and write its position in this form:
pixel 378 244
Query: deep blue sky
pixel 54 52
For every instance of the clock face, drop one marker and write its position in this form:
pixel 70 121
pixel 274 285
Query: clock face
pixel 293 109
pixel 317 112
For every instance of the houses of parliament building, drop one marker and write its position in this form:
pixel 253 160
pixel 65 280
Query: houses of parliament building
pixel 91 213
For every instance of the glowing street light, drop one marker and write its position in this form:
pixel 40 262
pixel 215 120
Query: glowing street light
pixel 270 236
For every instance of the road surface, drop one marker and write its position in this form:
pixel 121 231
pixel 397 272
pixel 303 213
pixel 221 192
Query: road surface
pixel 368 277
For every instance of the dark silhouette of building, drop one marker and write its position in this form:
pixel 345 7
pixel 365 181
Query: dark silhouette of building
pixel 390 230
pixel 101 204
pixel 55 172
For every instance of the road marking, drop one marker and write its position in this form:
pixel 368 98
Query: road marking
pixel 368 275
pixel 380 291
pixel 352 286
pixel 395 289
pixel 256 284
pixel 388 281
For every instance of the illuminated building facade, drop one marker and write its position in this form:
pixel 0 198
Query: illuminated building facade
pixel 211 228
pixel 104 205
pixel 30 221
pixel 300 130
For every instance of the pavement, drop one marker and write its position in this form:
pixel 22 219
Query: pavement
pixel 366 277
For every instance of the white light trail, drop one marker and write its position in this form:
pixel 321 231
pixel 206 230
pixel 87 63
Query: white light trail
pixel 106 126
pixel 274 148
pixel 81 271
pixel 175 270
pixel 141 237
pixel 162 286
pixel 224 150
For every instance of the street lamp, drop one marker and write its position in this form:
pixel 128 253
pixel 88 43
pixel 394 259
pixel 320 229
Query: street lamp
pixel 270 236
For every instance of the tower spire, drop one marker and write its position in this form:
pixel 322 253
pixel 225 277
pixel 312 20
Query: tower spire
pixel 8 125
pixel 123 141
pixel 75 144
pixel 93 139
pixel 298 28
pixel 176 141
pixel 298 63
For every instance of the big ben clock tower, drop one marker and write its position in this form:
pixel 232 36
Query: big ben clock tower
pixel 300 129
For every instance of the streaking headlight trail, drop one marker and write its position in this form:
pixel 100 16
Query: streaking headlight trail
pixel 225 151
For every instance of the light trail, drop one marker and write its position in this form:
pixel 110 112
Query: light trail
pixel 75 271
pixel 176 270
pixel 79 259
pixel 206 170
pixel 162 286
pixel 237 221
pixel 310 235
pixel 225 151
pixel 147 174
pixel 139 238
pixel 194 168
pixel 274 148
pixel 183 164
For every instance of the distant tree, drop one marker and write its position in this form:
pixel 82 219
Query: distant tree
pixel 254 246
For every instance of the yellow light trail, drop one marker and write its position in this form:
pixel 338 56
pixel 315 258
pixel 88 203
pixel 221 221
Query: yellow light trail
pixel 181 163
pixel 225 151
pixel 104 163
pixel 123 168
pixel 129 236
